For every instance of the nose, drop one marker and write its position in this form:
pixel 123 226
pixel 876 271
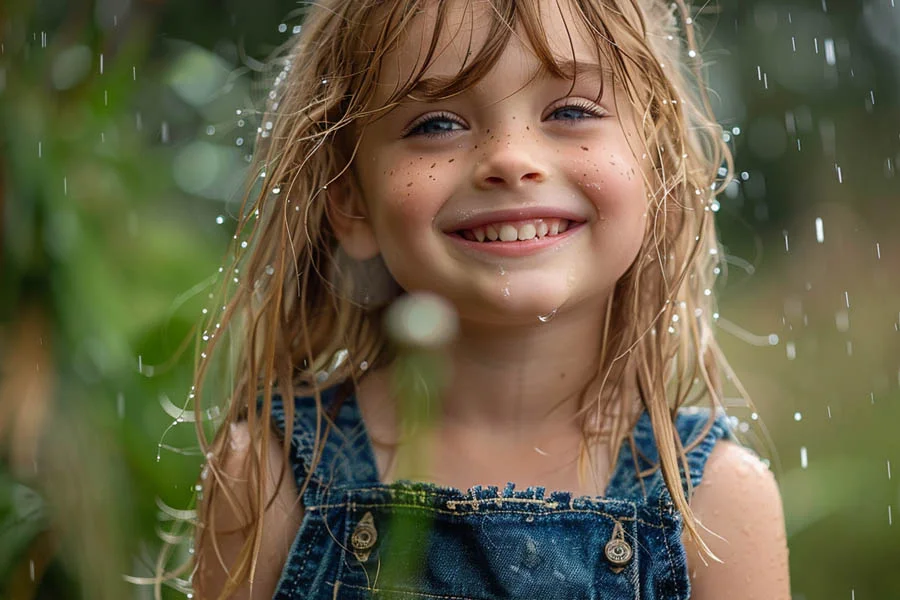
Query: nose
pixel 510 165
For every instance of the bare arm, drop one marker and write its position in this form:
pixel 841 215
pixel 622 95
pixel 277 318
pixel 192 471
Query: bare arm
pixel 739 501
pixel 281 522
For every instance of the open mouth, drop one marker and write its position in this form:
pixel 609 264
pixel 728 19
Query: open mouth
pixel 517 231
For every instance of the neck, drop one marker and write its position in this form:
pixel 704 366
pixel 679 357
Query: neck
pixel 522 378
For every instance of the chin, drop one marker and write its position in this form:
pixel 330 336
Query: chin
pixel 523 308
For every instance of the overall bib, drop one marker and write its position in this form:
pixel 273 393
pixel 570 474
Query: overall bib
pixel 361 539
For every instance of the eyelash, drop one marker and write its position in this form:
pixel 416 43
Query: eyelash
pixel 580 105
pixel 441 116
pixel 584 106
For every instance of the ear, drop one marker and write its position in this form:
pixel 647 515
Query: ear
pixel 349 218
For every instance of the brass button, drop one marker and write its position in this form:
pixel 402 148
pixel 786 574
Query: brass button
pixel 618 551
pixel 364 537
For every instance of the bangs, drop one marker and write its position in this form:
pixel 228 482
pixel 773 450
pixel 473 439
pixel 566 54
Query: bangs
pixel 504 20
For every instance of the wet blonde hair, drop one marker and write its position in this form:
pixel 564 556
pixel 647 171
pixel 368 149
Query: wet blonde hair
pixel 290 320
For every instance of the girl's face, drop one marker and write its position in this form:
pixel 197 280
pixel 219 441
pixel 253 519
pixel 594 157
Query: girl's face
pixel 522 156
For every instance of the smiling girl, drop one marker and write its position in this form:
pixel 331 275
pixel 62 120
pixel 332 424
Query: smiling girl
pixel 545 169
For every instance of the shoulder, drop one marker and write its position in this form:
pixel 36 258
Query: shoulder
pixel 229 516
pixel 739 507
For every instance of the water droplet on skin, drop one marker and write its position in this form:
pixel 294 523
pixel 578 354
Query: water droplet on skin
pixel 549 316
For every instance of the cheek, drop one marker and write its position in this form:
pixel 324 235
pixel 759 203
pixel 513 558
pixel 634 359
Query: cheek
pixel 405 194
pixel 612 181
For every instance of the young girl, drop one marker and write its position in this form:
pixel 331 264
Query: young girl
pixel 544 168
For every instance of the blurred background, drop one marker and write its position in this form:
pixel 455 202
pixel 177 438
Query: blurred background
pixel 125 131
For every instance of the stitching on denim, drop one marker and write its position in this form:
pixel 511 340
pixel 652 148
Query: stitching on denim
pixel 636 564
pixel 410 594
pixel 673 576
pixel 452 504
pixel 492 512
pixel 309 547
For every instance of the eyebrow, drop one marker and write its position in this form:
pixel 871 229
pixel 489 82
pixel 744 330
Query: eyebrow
pixel 572 69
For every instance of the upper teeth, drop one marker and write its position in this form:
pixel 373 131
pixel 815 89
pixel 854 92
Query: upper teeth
pixel 518 231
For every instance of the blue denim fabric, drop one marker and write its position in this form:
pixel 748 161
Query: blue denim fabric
pixel 362 539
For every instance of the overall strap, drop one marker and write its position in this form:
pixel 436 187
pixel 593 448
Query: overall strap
pixel 642 455
pixel 345 457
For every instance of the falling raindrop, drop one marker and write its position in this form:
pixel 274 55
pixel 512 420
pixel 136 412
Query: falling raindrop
pixel 803 458
pixel 220 219
pixel 829 51
pixel 791 350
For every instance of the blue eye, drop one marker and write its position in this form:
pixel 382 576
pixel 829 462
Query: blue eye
pixel 435 126
pixel 573 113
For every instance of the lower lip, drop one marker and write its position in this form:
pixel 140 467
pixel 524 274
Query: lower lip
pixel 516 249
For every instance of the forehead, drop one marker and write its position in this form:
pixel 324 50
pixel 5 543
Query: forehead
pixel 463 32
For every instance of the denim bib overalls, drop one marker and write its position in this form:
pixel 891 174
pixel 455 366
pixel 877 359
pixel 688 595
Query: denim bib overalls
pixel 362 539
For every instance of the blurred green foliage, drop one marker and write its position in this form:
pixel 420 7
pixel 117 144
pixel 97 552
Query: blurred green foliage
pixel 124 134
